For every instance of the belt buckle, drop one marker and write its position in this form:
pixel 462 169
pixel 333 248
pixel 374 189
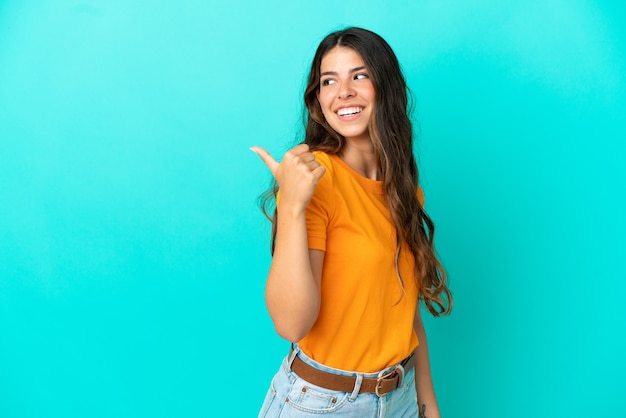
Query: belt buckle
pixel 399 370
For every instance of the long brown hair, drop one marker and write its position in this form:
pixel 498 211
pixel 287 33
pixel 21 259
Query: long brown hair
pixel 391 133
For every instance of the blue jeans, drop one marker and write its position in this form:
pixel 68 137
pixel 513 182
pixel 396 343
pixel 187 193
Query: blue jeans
pixel 289 396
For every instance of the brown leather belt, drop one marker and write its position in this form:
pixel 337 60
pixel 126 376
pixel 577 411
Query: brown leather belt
pixel 380 386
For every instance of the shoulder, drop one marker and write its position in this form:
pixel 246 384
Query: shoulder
pixel 324 159
pixel 326 185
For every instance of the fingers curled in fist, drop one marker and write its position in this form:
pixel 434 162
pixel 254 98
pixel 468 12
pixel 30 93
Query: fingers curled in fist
pixel 297 174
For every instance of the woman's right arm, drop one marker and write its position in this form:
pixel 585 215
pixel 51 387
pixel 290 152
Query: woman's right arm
pixel 292 292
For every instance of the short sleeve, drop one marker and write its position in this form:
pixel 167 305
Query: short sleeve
pixel 320 207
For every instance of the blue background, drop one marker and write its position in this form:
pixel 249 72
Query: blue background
pixel 133 254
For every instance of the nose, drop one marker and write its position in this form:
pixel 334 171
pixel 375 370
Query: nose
pixel 346 91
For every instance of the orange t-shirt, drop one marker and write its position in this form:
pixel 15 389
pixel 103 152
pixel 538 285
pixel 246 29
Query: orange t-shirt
pixel 365 322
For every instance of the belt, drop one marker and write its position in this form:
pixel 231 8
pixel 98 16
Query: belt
pixel 380 386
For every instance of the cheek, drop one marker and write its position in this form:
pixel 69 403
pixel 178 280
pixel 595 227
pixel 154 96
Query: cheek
pixel 324 105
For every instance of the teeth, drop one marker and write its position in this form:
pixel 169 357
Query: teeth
pixel 349 111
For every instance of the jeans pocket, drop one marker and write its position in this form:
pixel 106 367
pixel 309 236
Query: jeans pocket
pixel 313 399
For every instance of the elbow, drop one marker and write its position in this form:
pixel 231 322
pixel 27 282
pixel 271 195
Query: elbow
pixel 293 327
pixel 292 338
pixel 291 333
pixel 294 322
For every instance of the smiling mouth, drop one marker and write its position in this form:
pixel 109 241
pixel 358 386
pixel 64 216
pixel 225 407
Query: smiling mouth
pixel 349 111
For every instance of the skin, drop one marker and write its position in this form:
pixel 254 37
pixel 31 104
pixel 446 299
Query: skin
pixel 345 84
pixel 293 288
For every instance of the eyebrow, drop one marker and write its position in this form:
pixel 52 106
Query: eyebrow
pixel 354 70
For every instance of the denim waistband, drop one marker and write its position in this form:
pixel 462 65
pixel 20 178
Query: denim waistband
pixel 296 351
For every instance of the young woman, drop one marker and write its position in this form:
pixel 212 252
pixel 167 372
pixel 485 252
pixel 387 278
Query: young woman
pixel 352 245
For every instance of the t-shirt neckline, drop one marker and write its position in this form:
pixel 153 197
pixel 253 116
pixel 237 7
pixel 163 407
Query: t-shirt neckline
pixel 373 186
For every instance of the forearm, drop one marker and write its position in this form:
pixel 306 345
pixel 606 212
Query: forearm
pixel 427 401
pixel 292 293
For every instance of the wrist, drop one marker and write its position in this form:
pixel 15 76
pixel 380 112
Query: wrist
pixel 290 210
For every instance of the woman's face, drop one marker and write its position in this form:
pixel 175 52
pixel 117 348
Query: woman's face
pixel 346 94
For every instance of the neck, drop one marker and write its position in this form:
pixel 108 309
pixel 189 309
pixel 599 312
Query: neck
pixel 360 156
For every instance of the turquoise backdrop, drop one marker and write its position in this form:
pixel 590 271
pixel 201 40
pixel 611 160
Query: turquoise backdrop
pixel 133 254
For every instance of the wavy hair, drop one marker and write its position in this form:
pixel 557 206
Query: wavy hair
pixel 391 133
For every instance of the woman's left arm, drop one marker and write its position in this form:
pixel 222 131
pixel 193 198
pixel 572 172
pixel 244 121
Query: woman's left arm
pixel 426 400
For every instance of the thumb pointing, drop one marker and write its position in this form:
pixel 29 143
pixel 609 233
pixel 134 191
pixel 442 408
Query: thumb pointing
pixel 269 161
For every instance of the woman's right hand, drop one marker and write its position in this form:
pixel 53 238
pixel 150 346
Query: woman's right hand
pixel 292 291
pixel 297 175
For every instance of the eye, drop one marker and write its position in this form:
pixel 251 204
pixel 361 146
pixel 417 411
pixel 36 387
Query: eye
pixel 327 82
pixel 361 76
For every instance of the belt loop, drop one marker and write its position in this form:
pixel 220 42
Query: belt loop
pixel 357 387
pixel 292 355
pixel 401 369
